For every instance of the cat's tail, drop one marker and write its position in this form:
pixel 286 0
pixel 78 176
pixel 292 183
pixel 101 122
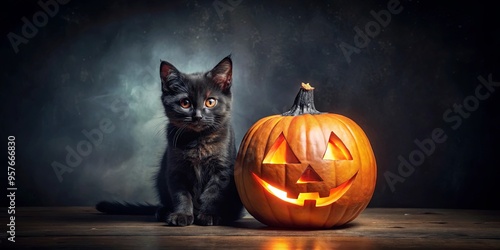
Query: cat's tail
pixel 126 208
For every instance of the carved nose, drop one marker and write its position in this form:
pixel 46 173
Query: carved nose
pixel 309 176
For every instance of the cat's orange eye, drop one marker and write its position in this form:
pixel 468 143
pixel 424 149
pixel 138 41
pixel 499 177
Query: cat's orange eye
pixel 185 103
pixel 210 102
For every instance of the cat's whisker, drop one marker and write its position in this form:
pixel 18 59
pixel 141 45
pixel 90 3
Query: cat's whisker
pixel 159 124
pixel 174 141
pixel 177 134
pixel 160 130
pixel 171 131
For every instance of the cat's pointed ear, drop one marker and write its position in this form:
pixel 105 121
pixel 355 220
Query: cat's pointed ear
pixel 167 72
pixel 222 74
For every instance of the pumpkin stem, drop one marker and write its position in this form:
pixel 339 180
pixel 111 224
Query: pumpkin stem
pixel 304 102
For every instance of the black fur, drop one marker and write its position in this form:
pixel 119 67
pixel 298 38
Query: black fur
pixel 195 183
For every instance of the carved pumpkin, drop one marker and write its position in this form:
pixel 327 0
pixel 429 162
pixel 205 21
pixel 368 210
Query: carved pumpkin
pixel 305 168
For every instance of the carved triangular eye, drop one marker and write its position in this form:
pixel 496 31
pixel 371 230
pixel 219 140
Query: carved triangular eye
pixel 336 150
pixel 280 153
pixel 309 176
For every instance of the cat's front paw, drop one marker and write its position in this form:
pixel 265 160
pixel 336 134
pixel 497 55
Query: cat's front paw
pixel 179 219
pixel 207 220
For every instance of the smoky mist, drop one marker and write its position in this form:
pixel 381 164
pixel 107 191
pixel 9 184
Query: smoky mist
pixel 88 86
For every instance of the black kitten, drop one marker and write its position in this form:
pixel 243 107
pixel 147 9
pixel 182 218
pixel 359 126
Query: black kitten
pixel 195 183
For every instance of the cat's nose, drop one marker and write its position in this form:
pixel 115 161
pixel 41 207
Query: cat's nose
pixel 197 116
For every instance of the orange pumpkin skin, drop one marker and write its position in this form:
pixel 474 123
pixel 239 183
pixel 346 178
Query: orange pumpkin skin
pixel 308 156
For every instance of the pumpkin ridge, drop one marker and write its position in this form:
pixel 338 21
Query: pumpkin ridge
pixel 329 215
pixel 267 148
pixel 317 124
pixel 275 213
pixel 365 143
pixel 294 128
pixel 248 140
pixel 358 155
pixel 270 143
pixel 358 211
pixel 342 214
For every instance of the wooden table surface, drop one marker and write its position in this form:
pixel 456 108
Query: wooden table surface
pixel 375 228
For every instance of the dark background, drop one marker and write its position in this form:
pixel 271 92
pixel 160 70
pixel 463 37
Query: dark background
pixel 98 61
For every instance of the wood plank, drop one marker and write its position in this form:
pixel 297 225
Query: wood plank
pixel 249 242
pixel 375 228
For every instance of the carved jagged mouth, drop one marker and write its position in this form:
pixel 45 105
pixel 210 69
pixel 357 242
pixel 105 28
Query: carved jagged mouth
pixel 335 193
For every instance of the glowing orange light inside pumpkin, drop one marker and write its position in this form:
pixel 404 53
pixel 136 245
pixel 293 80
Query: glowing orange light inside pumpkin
pixel 335 193
pixel 336 150
pixel 309 176
pixel 280 153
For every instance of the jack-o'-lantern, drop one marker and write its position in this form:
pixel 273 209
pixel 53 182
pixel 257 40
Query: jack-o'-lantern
pixel 305 168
